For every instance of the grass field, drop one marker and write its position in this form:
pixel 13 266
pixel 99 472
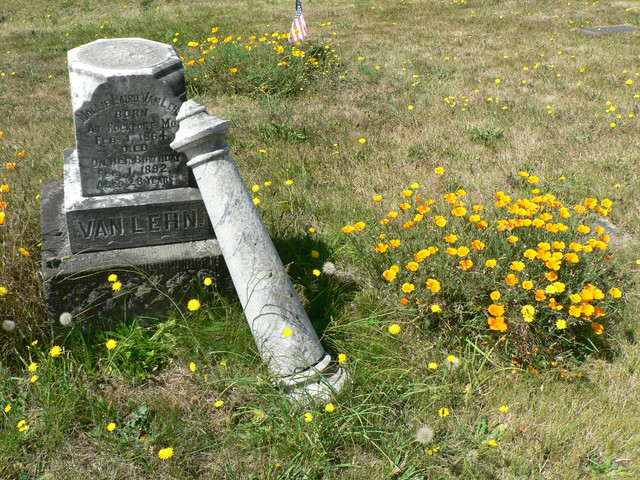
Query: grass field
pixel 452 101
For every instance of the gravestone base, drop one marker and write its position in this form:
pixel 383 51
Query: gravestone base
pixel 611 29
pixel 154 278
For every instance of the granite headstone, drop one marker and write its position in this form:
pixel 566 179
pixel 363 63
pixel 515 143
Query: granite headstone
pixel 127 202
pixel 611 29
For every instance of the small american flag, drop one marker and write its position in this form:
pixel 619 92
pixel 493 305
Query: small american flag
pixel 299 26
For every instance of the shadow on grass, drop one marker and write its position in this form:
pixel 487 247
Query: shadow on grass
pixel 326 289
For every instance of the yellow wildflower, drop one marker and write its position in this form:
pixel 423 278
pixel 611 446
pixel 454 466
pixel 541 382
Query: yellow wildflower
pixel 166 453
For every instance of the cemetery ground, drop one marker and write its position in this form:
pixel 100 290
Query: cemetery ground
pixel 375 152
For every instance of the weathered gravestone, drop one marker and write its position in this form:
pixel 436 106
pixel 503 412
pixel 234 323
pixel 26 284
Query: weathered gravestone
pixel 611 29
pixel 127 204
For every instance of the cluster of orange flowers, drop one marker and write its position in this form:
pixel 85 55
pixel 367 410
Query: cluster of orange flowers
pixel 4 187
pixel 504 256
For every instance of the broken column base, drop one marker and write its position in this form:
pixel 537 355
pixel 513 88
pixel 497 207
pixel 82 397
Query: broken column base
pixel 318 383
pixel 154 279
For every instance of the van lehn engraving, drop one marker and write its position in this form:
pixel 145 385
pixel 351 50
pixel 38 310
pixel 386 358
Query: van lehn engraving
pixel 126 225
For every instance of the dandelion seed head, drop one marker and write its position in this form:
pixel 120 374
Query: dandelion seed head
pixel 473 456
pixel 424 435
pixel 453 362
pixel 9 325
pixel 66 319
pixel 329 268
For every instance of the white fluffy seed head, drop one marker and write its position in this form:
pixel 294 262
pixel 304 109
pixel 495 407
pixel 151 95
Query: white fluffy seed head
pixel 473 456
pixel 424 435
pixel 66 319
pixel 9 325
pixel 453 365
pixel 329 268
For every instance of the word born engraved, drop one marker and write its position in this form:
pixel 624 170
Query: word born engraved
pixel 115 100
pixel 123 226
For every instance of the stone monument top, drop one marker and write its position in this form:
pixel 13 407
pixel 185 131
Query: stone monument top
pixel 91 64
pixel 123 54
pixel 126 93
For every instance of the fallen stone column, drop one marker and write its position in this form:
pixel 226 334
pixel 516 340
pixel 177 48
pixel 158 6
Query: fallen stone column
pixel 281 328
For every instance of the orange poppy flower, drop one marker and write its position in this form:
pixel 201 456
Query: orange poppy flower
pixel 497 323
pixel 382 247
pixel 496 310
pixel 572 257
pixel 433 285
pixel 477 245
pixel 466 264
